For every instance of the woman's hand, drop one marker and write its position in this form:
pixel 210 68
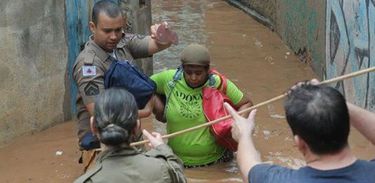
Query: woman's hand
pixel 154 138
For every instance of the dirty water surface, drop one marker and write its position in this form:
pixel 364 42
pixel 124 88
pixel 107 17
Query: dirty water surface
pixel 245 51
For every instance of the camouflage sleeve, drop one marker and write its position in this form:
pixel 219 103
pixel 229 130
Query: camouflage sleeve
pixel 174 164
pixel 89 76
pixel 137 44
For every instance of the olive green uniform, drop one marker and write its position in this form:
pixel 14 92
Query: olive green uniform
pixel 90 67
pixel 129 165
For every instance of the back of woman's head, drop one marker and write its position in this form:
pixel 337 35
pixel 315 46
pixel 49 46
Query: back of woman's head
pixel 116 116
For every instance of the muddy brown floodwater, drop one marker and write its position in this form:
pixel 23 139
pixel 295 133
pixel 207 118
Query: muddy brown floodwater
pixel 248 53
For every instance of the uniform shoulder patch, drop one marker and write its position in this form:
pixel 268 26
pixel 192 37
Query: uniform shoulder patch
pixel 91 89
pixel 88 70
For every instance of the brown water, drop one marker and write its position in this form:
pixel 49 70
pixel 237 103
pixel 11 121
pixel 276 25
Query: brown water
pixel 247 52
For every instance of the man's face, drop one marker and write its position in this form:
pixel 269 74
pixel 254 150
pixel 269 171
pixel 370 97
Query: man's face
pixel 195 75
pixel 108 31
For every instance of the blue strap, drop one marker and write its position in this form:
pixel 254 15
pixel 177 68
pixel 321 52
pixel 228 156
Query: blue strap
pixel 211 80
pixel 176 77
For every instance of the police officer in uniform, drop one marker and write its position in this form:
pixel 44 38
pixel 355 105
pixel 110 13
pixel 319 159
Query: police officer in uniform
pixel 107 40
pixel 114 123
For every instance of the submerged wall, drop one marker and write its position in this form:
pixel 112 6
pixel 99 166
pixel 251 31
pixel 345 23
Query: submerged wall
pixel 334 37
pixel 39 43
pixel 301 24
pixel 33 53
pixel 266 8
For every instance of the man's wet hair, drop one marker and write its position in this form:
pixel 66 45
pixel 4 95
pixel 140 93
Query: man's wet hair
pixel 319 115
pixel 109 7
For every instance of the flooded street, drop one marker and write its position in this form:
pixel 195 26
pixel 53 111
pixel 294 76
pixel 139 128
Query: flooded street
pixel 244 50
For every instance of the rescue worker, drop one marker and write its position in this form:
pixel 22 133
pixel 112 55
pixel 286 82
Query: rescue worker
pixel 115 124
pixel 107 40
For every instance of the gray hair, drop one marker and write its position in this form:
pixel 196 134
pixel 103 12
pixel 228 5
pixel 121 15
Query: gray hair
pixel 116 116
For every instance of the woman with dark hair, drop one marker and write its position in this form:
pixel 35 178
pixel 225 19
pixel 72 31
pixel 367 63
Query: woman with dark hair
pixel 115 124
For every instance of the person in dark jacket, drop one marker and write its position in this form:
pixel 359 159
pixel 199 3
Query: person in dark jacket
pixel 319 120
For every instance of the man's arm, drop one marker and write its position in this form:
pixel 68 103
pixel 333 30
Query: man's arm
pixel 154 46
pixel 161 38
pixel 363 121
pixel 247 155
pixel 90 108
pixel 90 84
pixel 147 110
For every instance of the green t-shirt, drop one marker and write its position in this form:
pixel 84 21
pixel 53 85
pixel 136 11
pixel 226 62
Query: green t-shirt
pixel 184 110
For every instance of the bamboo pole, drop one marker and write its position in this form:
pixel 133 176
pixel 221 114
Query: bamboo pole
pixel 339 78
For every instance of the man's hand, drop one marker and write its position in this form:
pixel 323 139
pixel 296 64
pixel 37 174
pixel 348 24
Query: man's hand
pixel 314 81
pixel 242 127
pixel 163 35
pixel 299 84
pixel 247 155
pixel 154 138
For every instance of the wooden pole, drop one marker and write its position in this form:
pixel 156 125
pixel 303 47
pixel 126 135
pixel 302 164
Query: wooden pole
pixel 340 78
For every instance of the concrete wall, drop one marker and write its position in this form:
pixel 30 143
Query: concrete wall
pixel 350 46
pixel 301 24
pixel 335 37
pixel 266 8
pixel 138 14
pixel 39 43
pixel 33 56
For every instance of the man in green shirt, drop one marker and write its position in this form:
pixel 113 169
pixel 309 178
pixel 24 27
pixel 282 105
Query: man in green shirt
pixel 184 106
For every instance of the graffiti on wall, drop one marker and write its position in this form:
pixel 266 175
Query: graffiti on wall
pixel 350 46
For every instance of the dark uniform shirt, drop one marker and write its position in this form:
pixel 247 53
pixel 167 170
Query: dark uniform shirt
pixel 90 67
pixel 128 165
pixel 360 171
